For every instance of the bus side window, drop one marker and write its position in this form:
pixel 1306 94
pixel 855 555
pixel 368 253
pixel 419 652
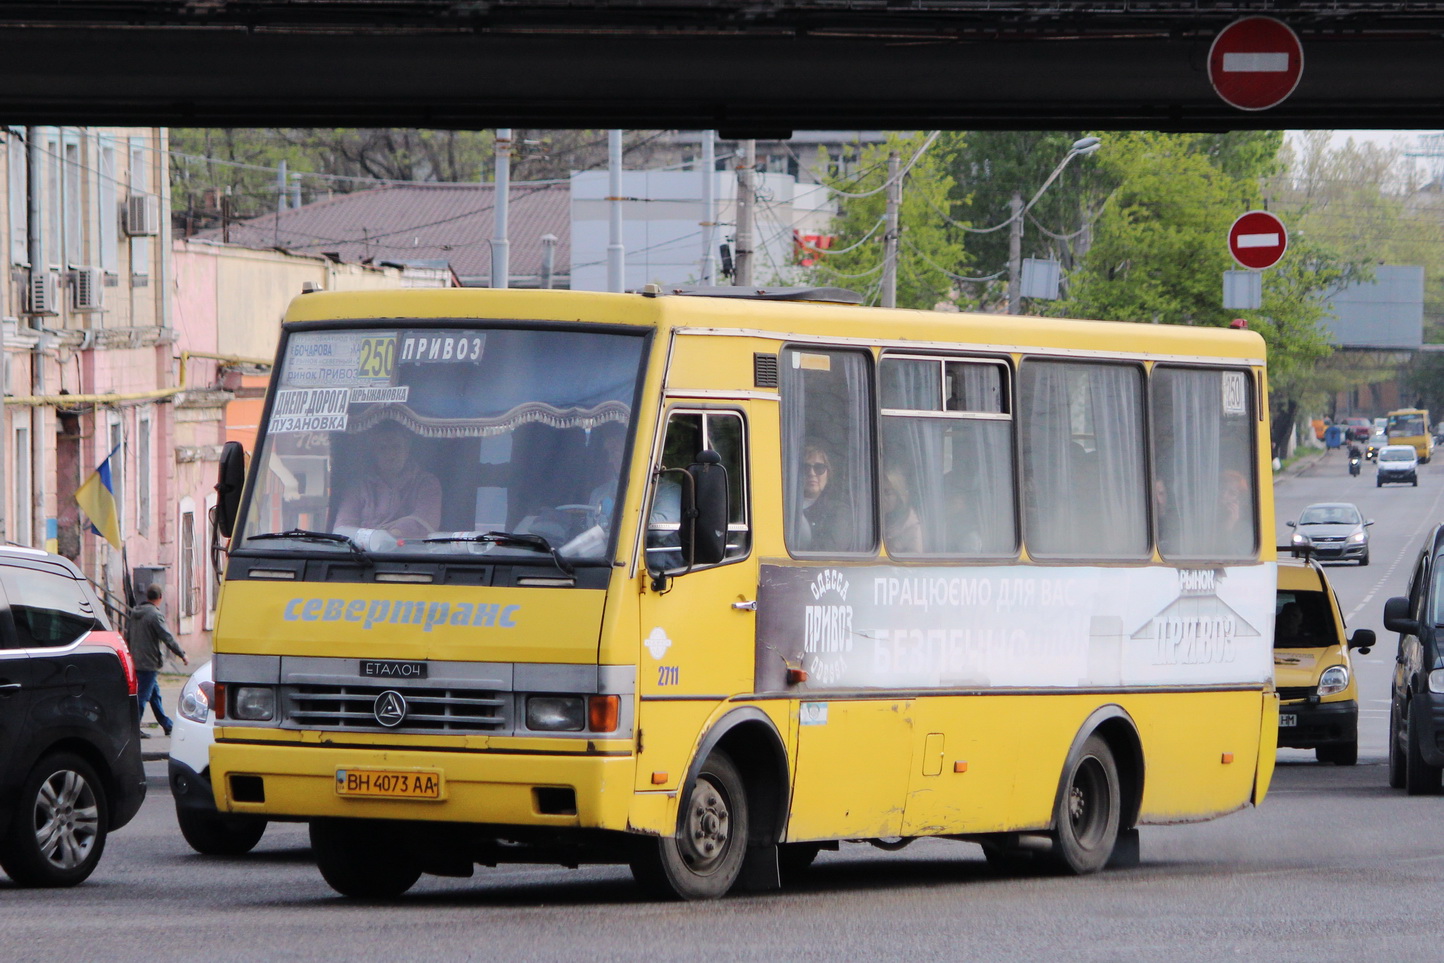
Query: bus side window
pixel 1081 439
pixel 1204 498
pixel 690 432
pixel 827 451
pixel 947 455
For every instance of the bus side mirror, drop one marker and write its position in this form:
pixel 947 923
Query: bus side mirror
pixel 1396 617
pixel 704 521
pixel 228 486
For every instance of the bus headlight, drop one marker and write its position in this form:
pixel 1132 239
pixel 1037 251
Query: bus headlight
pixel 553 713
pixel 252 703
pixel 1334 679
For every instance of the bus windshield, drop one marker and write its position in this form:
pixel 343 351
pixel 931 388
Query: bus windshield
pixel 1406 425
pixel 446 441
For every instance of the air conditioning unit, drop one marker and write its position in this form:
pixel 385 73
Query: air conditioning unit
pixel 85 289
pixel 142 215
pixel 44 292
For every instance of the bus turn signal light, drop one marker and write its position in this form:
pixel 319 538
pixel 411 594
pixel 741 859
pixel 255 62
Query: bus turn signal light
pixel 796 676
pixel 1227 758
pixel 602 712
pixel 659 778
pixel 960 766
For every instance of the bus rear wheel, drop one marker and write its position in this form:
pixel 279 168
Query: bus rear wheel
pixel 362 858
pixel 704 858
pixel 1087 812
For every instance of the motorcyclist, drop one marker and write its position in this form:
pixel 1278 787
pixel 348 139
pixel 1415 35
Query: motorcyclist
pixel 1356 458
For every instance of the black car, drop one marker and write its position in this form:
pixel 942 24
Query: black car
pixel 70 759
pixel 1416 711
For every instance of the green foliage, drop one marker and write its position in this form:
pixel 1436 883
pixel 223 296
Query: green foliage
pixel 928 255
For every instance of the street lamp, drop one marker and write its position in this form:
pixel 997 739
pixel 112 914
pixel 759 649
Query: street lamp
pixel 1081 147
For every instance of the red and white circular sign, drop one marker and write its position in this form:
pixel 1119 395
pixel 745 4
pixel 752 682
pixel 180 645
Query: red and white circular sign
pixel 1257 240
pixel 1255 63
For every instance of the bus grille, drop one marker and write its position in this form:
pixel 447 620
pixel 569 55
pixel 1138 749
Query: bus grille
pixel 427 710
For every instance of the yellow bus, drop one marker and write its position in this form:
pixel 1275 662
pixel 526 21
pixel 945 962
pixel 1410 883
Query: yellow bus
pixel 705 584
pixel 1410 426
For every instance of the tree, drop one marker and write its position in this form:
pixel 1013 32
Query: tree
pixel 1159 253
pixel 929 255
pixel 988 168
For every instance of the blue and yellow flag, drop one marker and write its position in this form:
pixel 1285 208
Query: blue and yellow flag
pixel 96 497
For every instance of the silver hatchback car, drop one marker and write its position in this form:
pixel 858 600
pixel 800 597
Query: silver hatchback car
pixel 1332 531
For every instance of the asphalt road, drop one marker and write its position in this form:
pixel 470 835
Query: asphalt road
pixel 1333 866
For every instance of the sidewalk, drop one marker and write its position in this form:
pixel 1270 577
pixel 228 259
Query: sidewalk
pixel 1306 462
pixel 158 745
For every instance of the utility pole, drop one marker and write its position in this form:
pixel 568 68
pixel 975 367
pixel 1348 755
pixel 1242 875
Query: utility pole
pixel 616 251
pixel 1015 255
pixel 500 244
pixel 282 192
pixel 890 237
pixel 709 207
pixel 746 201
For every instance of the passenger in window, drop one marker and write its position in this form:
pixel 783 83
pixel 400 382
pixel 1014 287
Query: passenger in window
pixel 1235 518
pixel 827 524
pixel 964 522
pixel 395 495
pixel 900 525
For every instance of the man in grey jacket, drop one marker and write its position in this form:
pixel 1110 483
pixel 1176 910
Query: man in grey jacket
pixel 144 636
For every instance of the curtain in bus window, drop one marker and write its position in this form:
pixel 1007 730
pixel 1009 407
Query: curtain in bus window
pixel 951 476
pixel 1082 458
pixel 826 451
pixel 1203 491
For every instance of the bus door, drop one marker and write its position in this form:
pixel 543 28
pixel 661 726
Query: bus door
pixel 697 628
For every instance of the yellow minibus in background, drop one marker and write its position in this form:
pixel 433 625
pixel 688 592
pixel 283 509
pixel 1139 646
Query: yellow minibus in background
pixel 1410 426
pixel 706 582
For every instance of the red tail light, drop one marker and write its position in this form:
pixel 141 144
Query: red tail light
pixel 121 649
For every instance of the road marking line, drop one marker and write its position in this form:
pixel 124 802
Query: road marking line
pixel 1426 520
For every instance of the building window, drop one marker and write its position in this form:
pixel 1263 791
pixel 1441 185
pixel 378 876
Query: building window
pixel 15 155
pixel 188 564
pixel 22 530
pixel 142 475
pixel 117 470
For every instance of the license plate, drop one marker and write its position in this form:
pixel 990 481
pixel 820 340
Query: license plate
pixel 389 783
pixel 1287 720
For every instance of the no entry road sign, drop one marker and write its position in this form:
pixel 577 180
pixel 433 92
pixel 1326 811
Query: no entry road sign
pixel 1257 240
pixel 1255 63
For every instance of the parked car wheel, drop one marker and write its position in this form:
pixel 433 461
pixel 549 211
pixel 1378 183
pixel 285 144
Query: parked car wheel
pixel 58 831
pixel 1420 778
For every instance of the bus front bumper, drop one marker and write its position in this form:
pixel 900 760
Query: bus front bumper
pixel 513 789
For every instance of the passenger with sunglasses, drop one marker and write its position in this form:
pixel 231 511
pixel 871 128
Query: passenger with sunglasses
pixel 827 522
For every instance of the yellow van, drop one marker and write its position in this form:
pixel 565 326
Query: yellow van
pixel 1318 694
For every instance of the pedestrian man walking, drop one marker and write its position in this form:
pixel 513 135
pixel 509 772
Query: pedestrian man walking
pixel 144 636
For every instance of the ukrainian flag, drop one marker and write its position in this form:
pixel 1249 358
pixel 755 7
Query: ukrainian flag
pixel 96 497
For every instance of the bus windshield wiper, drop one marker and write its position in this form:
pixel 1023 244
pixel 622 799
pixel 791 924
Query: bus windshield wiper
pixel 309 534
pixel 528 539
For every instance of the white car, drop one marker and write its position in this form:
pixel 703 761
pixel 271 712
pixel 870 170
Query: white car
pixel 1398 463
pixel 207 830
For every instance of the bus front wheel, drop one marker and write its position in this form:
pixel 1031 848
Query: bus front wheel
pixel 1086 814
pixel 704 858
pixel 363 859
